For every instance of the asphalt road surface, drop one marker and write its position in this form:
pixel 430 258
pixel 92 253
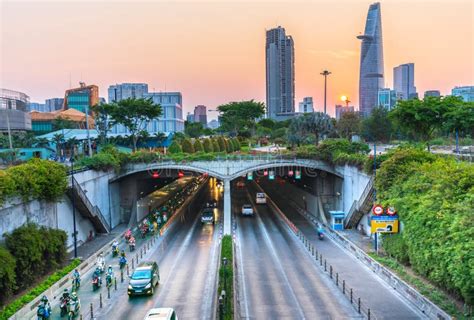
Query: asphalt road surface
pixel 276 277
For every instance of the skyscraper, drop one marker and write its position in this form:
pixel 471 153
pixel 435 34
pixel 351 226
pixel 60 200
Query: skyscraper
pixel 404 81
pixel 200 115
pixel 465 92
pixel 371 61
pixel 280 74
pixel 306 106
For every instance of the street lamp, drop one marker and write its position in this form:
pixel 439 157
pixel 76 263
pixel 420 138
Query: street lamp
pixel 325 73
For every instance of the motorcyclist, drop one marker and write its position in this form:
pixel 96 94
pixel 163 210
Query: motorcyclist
pixel 100 262
pixel 128 234
pixel 76 278
pixel 115 248
pixel 122 260
pixel 64 301
pixel 44 308
pixel 77 303
pixel 320 231
pixel 109 275
pixel 131 243
pixel 97 275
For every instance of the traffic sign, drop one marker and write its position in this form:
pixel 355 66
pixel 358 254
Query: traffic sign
pixel 384 218
pixel 384 226
pixel 391 211
pixel 377 210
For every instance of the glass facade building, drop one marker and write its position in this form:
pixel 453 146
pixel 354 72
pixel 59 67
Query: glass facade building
pixel 54 104
pixel 280 74
pixel 371 77
pixel 13 111
pixel 82 98
pixel 404 81
pixel 127 90
pixel 466 93
pixel 200 115
pixel 387 98
pixel 432 93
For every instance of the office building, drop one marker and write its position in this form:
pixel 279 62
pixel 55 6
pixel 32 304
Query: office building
pixel 280 74
pixel 432 93
pixel 35 106
pixel 127 90
pixel 404 81
pixel 371 77
pixel 200 115
pixel 340 109
pixel 306 106
pixel 465 92
pixel 388 98
pixel 14 111
pixel 54 104
pixel 190 117
pixel 82 98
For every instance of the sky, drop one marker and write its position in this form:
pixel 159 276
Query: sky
pixel 213 52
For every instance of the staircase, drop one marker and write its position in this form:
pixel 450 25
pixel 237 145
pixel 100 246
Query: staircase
pixel 86 208
pixel 361 206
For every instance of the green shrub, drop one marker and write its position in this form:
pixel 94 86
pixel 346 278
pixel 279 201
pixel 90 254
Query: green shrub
pixel 227 273
pixel 187 146
pixel 215 146
pixel 7 274
pixel 236 144
pixel 175 147
pixel 395 246
pixel 207 145
pixel 7 186
pixel 198 146
pixel 39 179
pixel 101 161
pixel 144 156
pixel 228 146
pixel 221 142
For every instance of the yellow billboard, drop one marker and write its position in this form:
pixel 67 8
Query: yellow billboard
pixel 384 226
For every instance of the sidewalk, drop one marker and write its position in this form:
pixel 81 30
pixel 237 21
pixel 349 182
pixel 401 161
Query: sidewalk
pixel 101 239
pixel 359 239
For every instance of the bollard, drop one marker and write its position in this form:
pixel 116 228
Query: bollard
pixel 325 269
pixel 127 271
pixel 320 259
pixel 330 271
pixel 115 278
pixel 351 295
pixel 316 255
pixel 368 313
pixel 358 305
pixel 136 256
pixel 80 316
pixel 337 279
pixel 121 276
pixel 344 287
pixel 313 250
pixel 133 263
pixel 144 249
pixel 100 300
pixel 92 312
pixel 108 292
pixel 141 253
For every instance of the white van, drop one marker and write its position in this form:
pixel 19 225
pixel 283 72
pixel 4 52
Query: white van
pixel 161 314
pixel 261 198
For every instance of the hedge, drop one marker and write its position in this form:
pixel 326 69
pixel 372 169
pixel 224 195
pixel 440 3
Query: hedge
pixel 175 147
pixel 16 305
pixel 228 274
pixel 198 146
pixel 207 145
pixel 101 161
pixel 215 145
pixel 36 179
pixel 187 146
pixel 7 274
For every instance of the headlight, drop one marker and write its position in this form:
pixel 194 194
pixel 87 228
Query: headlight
pixel 130 287
pixel 148 286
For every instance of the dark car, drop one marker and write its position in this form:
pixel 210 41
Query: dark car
pixel 144 279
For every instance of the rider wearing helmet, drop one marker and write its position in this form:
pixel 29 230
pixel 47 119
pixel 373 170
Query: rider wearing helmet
pixel 66 294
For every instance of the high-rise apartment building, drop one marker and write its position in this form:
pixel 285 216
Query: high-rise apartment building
pixel 127 90
pixel 371 77
pixel 387 98
pixel 280 74
pixel 465 92
pixel 200 115
pixel 432 93
pixel 190 117
pixel 82 98
pixel 404 81
pixel 306 106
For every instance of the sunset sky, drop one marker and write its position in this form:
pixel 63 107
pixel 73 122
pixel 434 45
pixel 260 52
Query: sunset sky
pixel 214 51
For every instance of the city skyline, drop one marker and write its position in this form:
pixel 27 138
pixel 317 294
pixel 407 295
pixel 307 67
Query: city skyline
pixel 226 53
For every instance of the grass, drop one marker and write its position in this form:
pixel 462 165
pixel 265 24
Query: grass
pixel 434 294
pixel 226 276
pixel 16 305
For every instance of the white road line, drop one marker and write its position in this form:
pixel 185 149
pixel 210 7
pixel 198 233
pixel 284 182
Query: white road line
pixel 242 274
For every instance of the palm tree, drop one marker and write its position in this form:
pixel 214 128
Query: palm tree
pixel 42 143
pixel 58 139
pixel 71 144
pixel 317 123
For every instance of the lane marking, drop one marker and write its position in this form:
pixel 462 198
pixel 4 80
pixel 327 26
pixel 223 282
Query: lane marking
pixel 242 273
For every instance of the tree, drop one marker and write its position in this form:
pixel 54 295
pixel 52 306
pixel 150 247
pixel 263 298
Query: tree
pixel 193 129
pixel 215 145
pixel 64 123
pixel 198 146
pixel 296 131
pixel 187 146
pixel 318 124
pixel 7 274
pixel 134 114
pixel 377 127
pixel 221 142
pixel 349 124
pixel 42 143
pixel 459 116
pixel 267 123
pixel 207 145
pixel 71 144
pixel 160 138
pixel 58 139
pixel 236 116
pixel 175 147
pixel 102 120
pixel 228 146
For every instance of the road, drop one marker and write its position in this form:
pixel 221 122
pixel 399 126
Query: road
pixel 384 302
pixel 276 277
pixel 188 262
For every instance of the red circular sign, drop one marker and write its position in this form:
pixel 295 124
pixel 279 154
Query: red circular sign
pixel 377 210
pixel 391 211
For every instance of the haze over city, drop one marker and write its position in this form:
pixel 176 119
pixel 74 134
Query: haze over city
pixel 214 52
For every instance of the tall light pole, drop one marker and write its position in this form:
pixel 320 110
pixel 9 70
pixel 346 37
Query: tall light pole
pixel 325 73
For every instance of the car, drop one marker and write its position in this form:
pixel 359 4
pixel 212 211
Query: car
pixel 161 314
pixel 207 215
pixel 144 279
pixel 247 210
pixel 261 198
pixel 240 184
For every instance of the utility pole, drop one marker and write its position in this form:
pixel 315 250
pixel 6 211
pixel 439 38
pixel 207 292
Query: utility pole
pixel 325 73
pixel 88 135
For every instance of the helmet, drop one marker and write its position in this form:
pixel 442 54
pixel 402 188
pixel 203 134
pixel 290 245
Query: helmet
pixel 74 295
pixel 110 266
pixel 44 299
pixel 66 290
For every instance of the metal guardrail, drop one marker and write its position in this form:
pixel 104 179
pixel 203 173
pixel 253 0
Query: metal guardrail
pixel 93 209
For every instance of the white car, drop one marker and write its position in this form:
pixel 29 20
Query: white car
pixel 247 210
pixel 261 198
pixel 161 314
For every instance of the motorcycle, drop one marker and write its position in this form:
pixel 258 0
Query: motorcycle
pixel 122 262
pixel 73 308
pixel 131 245
pixel 76 283
pixel 115 251
pixel 128 234
pixel 63 306
pixel 320 235
pixel 95 282
pixel 43 312
pixel 108 280
pixel 101 266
